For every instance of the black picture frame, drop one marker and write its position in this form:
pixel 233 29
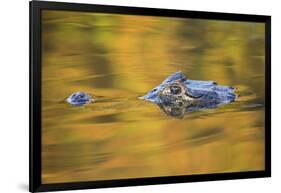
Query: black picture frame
pixel 35 184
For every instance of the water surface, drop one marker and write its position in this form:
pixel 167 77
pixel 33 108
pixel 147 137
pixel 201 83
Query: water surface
pixel 118 58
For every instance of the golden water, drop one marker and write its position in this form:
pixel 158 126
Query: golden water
pixel 117 58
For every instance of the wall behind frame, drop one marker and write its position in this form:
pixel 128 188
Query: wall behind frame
pixel 14 95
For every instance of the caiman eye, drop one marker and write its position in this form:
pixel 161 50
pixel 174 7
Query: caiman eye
pixel 175 90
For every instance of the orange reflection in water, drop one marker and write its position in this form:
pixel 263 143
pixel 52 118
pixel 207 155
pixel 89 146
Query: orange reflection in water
pixel 118 58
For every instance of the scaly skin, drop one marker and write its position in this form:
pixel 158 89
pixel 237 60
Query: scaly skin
pixel 178 92
pixel 79 99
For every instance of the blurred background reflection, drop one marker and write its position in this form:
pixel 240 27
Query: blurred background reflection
pixel 120 57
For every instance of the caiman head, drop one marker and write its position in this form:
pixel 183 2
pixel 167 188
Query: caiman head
pixel 177 95
pixel 172 91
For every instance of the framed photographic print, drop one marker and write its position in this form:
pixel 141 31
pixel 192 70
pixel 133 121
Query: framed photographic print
pixel 126 96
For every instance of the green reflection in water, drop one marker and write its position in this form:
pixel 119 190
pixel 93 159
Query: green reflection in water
pixel 118 58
